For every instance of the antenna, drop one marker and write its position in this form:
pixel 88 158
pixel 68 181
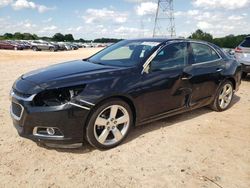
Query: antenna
pixel 164 19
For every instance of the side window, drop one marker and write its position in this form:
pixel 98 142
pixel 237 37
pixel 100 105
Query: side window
pixel 246 43
pixel 203 53
pixel 171 57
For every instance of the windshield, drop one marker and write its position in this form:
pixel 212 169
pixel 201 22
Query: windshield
pixel 124 53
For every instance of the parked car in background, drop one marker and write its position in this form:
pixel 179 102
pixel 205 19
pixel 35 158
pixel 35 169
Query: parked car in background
pixel 42 45
pixel 77 44
pixel 132 82
pixel 88 45
pixel 10 45
pixel 56 45
pixel 73 46
pixel 64 46
pixel 24 44
pixel 101 45
pixel 242 54
pixel 229 51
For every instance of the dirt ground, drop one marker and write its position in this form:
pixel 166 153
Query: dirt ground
pixel 201 148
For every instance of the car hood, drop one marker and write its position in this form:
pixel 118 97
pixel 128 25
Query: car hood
pixel 73 72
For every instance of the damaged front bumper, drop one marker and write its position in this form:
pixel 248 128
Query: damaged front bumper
pixel 51 125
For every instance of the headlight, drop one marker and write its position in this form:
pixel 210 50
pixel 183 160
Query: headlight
pixel 57 97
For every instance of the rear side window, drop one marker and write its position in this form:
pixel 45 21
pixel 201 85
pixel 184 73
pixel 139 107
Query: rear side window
pixel 246 43
pixel 203 53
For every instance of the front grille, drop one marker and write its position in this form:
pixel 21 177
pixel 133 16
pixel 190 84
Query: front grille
pixel 19 94
pixel 16 110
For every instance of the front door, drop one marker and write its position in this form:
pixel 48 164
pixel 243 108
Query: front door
pixel 163 87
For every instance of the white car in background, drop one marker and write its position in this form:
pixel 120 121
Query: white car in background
pixel 242 54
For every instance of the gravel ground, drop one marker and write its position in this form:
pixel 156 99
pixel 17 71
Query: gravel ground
pixel 201 148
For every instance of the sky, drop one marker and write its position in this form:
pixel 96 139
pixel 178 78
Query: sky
pixel 90 19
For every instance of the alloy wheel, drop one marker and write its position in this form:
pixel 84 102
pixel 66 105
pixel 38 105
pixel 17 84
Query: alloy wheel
pixel 111 125
pixel 225 96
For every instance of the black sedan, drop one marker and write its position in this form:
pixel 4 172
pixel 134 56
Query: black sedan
pixel 132 82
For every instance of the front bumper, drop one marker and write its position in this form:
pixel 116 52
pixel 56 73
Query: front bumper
pixel 67 118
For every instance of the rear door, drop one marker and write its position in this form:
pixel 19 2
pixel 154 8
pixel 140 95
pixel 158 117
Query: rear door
pixel 43 46
pixel 203 73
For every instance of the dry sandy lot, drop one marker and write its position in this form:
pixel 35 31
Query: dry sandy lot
pixel 201 148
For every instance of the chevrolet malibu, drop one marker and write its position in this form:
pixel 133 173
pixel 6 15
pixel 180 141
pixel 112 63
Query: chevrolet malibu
pixel 98 99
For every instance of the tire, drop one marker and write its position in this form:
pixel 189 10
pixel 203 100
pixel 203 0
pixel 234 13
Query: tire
pixel 51 49
pixel 108 133
pixel 225 93
pixel 244 75
pixel 34 48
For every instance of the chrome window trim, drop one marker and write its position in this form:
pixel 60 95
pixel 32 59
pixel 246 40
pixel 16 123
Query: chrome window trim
pixel 148 61
pixel 15 116
pixel 145 65
pixel 46 136
pixel 205 62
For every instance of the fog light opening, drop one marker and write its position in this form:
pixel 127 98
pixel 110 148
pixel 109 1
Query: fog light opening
pixel 50 131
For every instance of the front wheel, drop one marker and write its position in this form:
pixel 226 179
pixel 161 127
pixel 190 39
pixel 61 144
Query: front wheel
pixel 109 124
pixel 34 48
pixel 224 97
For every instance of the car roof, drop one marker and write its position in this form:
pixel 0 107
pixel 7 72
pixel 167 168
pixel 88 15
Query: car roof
pixel 155 39
pixel 161 40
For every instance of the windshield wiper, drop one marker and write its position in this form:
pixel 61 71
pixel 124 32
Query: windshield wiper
pixel 88 60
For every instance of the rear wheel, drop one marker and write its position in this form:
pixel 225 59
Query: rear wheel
pixel 109 124
pixel 224 97
pixel 51 49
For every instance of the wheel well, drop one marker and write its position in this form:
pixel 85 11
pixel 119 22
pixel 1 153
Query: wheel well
pixel 233 82
pixel 125 99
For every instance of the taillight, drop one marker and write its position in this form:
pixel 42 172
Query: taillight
pixel 238 50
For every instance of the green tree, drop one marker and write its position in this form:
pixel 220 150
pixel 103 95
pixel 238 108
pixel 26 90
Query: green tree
pixel 7 36
pixel 35 37
pixel 18 36
pixel 106 40
pixel 82 40
pixel 200 35
pixel 27 36
pixel 58 37
pixel 69 37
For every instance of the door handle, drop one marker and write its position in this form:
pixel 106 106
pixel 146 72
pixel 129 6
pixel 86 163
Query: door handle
pixel 186 77
pixel 219 70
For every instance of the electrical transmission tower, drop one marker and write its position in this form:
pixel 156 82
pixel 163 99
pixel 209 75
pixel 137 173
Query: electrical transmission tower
pixel 164 20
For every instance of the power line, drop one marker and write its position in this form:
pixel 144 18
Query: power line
pixel 164 25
